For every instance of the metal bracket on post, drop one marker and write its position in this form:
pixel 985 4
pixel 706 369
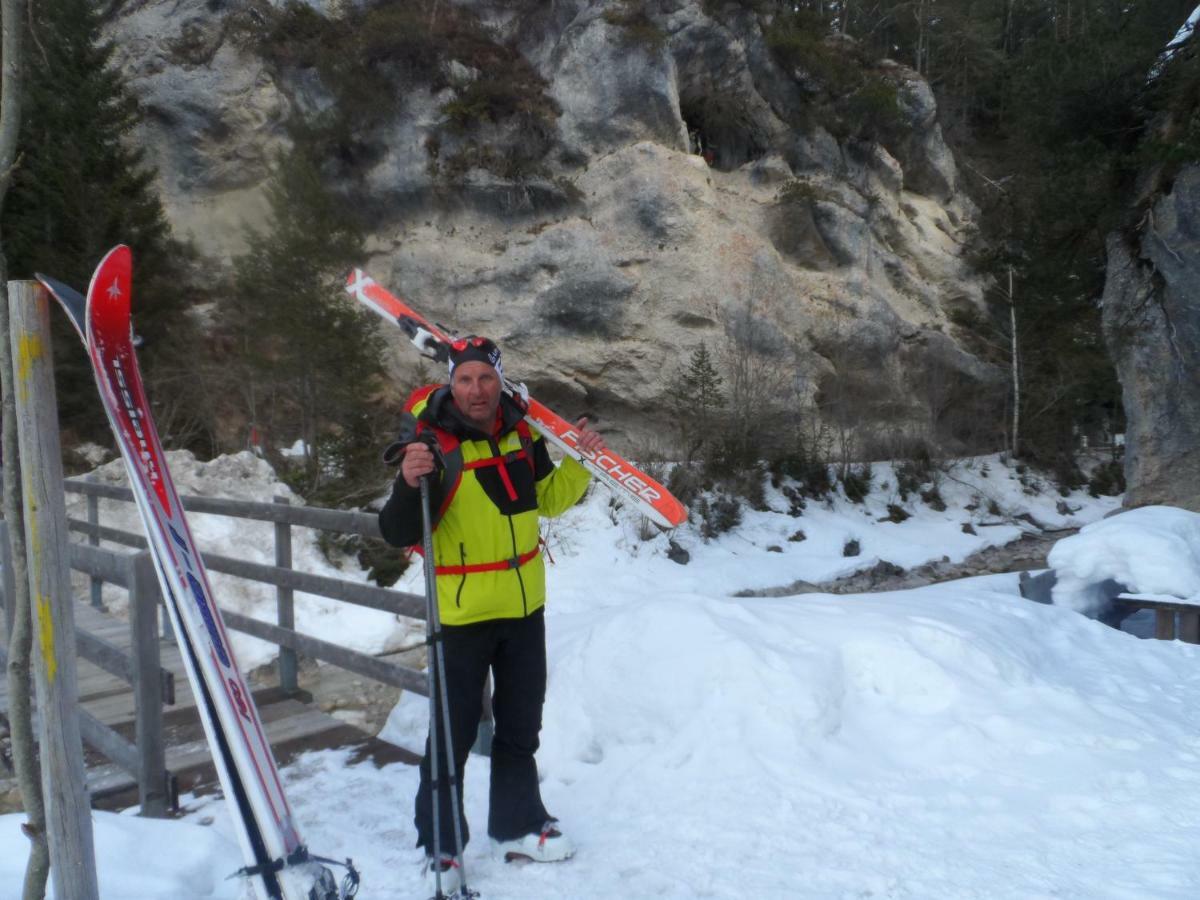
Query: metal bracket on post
pixel 147 685
pixel 285 603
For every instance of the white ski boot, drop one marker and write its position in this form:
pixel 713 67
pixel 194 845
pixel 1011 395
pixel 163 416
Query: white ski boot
pixel 547 845
pixel 451 876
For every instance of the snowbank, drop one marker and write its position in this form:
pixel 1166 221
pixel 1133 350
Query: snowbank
pixel 138 859
pixel 953 741
pixel 1150 550
pixel 948 742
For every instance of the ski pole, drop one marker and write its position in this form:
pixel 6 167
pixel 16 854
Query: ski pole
pixel 437 690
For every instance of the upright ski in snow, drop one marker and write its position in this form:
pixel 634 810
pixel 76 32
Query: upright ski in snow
pixel 278 864
pixel 648 496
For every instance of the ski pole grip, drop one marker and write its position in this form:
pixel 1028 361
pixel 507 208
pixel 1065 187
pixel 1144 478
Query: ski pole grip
pixel 393 454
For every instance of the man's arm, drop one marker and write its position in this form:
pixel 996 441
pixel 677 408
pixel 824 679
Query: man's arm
pixel 559 488
pixel 400 520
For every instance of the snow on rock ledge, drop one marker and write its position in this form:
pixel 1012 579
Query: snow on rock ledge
pixel 1149 550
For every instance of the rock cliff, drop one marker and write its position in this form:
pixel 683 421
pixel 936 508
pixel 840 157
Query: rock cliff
pixel 663 177
pixel 1152 327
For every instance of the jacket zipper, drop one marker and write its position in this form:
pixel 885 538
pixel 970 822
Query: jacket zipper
pixel 520 581
pixel 462 556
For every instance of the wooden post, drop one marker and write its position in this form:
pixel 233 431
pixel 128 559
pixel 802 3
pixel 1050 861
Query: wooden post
pixel 1164 624
pixel 93 517
pixel 68 813
pixel 1189 627
pixel 284 600
pixel 7 579
pixel 147 685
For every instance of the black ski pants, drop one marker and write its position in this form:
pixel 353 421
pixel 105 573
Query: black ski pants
pixel 515 652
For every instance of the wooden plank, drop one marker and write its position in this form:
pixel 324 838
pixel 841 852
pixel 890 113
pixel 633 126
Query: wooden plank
pixel 1189 627
pixel 285 602
pixel 108 742
pixel 282 723
pixel 105 564
pixel 344 521
pixel 1164 624
pixel 68 810
pixel 1156 601
pixel 370 666
pixel 370 596
pixel 95 583
pixel 147 685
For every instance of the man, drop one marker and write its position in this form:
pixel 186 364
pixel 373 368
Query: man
pixel 495 480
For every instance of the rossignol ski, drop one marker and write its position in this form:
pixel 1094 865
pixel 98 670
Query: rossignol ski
pixel 278 865
pixel 648 496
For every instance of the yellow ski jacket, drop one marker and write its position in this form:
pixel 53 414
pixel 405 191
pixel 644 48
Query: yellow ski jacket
pixel 486 500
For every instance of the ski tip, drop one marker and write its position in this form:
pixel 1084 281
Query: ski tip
pixel 112 281
pixel 68 298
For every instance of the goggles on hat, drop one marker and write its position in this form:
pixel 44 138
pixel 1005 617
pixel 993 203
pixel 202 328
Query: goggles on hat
pixel 474 348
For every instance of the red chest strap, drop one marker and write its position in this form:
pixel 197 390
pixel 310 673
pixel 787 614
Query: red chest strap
pixel 514 562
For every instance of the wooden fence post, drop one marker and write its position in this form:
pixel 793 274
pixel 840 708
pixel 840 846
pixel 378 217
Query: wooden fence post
pixel 93 517
pixel 1164 624
pixel 147 685
pixel 285 603
pixel 68 812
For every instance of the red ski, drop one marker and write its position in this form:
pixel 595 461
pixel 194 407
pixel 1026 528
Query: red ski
pixel 278 865
pixel 647 495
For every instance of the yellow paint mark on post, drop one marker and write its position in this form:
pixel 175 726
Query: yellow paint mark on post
pixel 45 617
pixel 46 636
pixel 29 349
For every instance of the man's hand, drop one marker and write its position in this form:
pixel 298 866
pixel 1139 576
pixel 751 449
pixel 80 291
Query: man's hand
pixel 418 461
pixel 589 442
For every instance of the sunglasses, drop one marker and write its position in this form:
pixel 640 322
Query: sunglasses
pixel 458 346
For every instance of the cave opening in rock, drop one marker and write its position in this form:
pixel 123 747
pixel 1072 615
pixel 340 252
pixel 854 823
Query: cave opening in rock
pixel 720 130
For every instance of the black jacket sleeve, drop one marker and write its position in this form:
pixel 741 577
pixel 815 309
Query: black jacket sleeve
pixel 400 519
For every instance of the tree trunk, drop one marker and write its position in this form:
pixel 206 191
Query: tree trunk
pixel 1016 379
pixel 20 646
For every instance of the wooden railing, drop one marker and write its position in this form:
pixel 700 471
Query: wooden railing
pixel 154 686
pixel 1174 617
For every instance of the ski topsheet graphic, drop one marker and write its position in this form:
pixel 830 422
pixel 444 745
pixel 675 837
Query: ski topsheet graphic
pixel 647 495
pixel 277 863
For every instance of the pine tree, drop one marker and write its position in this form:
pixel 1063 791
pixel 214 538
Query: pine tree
pixel 311 358
pixel 79 189
pixel 694 399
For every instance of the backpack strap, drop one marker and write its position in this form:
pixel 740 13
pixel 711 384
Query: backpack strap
pixel 501 462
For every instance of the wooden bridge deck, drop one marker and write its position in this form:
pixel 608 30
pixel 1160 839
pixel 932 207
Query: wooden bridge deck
pixel 291 724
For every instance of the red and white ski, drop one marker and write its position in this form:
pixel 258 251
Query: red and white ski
pixel 648 496
pixel 277 863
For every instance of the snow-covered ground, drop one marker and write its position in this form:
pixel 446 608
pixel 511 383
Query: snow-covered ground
pixel 953 741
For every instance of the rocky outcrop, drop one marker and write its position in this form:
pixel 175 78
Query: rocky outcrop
pixel 1152 328
pixel 682 184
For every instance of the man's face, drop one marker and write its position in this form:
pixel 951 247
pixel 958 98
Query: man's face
pixel 476 389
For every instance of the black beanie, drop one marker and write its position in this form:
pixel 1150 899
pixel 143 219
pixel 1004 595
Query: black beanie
pixel 475 349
